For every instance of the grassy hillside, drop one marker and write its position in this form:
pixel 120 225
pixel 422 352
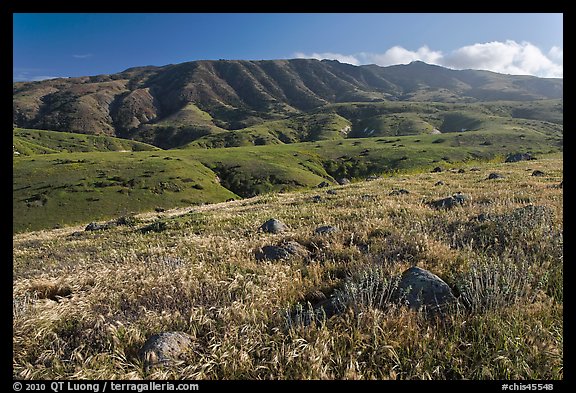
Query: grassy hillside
pixel 196 272
pixel 29 142
pixel 65 188
pixel 315 127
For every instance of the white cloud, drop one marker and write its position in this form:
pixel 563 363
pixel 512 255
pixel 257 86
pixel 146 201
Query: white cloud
pixel 328 55
pixel 507 57
pixel 556 54
pixel 399 55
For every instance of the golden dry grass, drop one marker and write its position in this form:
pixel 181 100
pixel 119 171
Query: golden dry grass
pixel 199 275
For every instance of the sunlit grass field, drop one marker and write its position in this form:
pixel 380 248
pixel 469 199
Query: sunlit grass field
pixel 84 302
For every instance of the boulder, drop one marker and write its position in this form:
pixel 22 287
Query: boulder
pixel 461 170
pixel 437 169
pixel 284 250
pixel 331 192
pixel 94 226
pixel 519 157
pixel 439 183
pixel 316 198
pixel 325 229
pixel 323 184
pixel 273 226
pixel 343 181
pixel 449 202
pixel 538 173
pixel 399 192
pixel 421 288
pixel 164 348
pixel 494 176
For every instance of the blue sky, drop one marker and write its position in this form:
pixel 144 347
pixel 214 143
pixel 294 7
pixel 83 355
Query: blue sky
pixel 63 45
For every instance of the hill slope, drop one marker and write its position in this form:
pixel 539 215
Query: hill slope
pixel 175 104
pixel 66 188
pixel 84 302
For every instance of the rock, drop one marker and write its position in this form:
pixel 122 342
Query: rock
pixel 272 253
pixel 519 157
pixel 421 288
pixel 164 348
pixel 323 184
pixel 273 226
pixel 474 169
pixel 295 249
pixel 94 226
pixel 285 250
pixel 439 183
pixel 325 229
pixel 372 178
pixel 368 197
pixel 461 170
pixel 343 181
pixel 437 169
pixel 538 173
pixel 494 176
pixel 449 202
pixel 399 192
pixel 331 192
pixel 316 198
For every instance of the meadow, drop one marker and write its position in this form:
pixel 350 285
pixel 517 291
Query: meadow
pixel 84 302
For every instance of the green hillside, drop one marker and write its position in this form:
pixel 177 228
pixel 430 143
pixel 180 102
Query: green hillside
pixel 29 142
pixel 65 188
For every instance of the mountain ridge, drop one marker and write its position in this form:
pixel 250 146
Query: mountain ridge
pixel 198 98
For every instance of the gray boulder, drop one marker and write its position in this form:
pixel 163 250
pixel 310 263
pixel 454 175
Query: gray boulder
pixel 323 184
pixel 94 226
pixel 325 229
pixel 538 173
pixel 399 192
pixel 449 202
pixel 284 250
pixel 421 288
pixel 519 157
pixel 494 176
pixel 164 348
pixel 331 192
pixel 343 181
pixel 439 183
pixel 437 169
pixel 273 226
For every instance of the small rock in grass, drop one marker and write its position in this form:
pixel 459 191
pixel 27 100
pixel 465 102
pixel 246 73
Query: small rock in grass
pixel 273 226
pixel 494 176
pixel 421 288
pixel 164 348
pixel 325 229
pixel 399 192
